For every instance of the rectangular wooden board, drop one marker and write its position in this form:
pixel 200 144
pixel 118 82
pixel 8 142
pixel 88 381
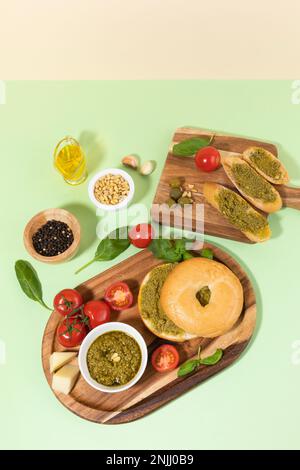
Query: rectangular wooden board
pixel 184 167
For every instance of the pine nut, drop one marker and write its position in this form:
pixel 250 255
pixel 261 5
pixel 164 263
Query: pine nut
pixel 111 189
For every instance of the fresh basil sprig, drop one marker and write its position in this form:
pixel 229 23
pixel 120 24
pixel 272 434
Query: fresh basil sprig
pixel 188 367
pixel 193 364
pixel 110 247
pixel 213 359
pixel 189 147
pixel 29 281
pixel 173 251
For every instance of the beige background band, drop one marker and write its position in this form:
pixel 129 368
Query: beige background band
pixel 152 39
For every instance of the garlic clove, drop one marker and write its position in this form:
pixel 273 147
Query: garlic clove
pixel 130 161
pixel 148 167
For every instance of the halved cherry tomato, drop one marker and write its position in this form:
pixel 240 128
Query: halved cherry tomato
pixel 71 332
pixel 207 159
pixel 66 301
pixel 119 296
pixel 165 358
pixel 141 235
pixel 97 311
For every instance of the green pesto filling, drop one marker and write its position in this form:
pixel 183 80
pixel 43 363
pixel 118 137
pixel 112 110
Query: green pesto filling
pixel 150 301
pixel 251 183
pixel 268 165
pixel 203 295
pixel 114 358
pixel 237 211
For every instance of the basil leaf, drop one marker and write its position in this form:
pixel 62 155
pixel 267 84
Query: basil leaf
pixel 212 360
pixel 164 249
pixel 180 247
pixel 207 253
pixel 29 281
pixel 187 255
pixel 189 147
pixel 110 247
pixel 188 367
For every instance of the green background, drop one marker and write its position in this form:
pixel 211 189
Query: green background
pixel 254 403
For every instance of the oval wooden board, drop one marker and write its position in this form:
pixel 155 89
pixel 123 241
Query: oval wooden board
pixel 211 222
pixel 154 389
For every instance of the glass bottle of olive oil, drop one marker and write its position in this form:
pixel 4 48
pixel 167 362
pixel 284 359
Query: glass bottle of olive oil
pixel 70 161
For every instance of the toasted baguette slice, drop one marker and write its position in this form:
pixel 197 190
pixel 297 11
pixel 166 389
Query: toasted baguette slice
pixel 266 206
pixel 177 335
pixel 211 193
pixel 266 164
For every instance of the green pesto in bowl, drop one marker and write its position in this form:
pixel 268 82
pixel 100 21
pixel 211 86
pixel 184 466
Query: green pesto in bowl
pixel 114 358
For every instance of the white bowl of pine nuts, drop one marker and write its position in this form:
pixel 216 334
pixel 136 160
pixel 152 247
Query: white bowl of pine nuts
pixel 111 189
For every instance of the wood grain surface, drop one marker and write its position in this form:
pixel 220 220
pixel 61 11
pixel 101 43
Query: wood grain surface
pixel 154 389
pixel 210 220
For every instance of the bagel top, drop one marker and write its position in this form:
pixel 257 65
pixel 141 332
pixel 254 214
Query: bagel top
pixel 203 297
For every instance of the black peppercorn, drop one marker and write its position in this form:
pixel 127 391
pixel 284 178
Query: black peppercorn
pixel 53 238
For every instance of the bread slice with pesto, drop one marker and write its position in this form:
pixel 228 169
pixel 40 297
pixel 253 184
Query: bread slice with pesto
pixel 150 309
pixel 238 212
pixel 266 164
pixel 251 184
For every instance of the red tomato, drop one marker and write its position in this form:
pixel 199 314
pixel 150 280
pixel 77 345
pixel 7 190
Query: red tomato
pixel 66 301
pixel 119 296
pixel 71 332
pixel 207 159
pixel 97 311
pixel 141 235
pixel 165 358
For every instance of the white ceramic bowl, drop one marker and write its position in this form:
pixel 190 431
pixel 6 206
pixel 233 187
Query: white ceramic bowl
pixel 92 336
pixel 108 207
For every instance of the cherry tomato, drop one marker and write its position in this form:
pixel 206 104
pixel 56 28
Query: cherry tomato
pixel 119 296
pixel 66 301
pixel 71 332
pixel 165 358
pixel 141 235
pixel 97 311
pixel 207 159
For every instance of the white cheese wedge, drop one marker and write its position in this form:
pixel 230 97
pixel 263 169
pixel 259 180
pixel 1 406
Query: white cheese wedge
pixel 64 379
pixel 59 359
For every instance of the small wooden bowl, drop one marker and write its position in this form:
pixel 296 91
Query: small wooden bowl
pixel 40 219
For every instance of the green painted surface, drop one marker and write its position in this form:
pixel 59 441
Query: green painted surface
pixel 254 403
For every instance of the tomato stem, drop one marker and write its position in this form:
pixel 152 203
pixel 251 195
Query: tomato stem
pixel 67 302
pixel 71 314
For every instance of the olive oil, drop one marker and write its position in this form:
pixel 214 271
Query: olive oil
pixel 70 161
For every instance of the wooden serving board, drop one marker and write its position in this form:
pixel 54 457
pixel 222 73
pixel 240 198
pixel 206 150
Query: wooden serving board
pixel 154 389
pixel 214 223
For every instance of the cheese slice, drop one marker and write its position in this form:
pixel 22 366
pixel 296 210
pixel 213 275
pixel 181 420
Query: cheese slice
pixel 59 359
pixel 64 379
